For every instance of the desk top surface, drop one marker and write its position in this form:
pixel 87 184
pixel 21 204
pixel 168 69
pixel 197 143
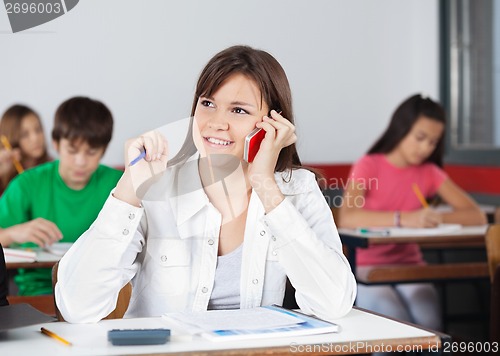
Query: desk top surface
pixel 361 331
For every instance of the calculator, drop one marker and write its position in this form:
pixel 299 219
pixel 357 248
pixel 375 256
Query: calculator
pixel 138 336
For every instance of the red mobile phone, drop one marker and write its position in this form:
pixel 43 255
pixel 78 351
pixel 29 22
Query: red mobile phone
pixel 252 144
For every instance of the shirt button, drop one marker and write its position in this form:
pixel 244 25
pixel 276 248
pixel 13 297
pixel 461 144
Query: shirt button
pixel 210 242
pixel 262 233
pixel 275 253
pixel 163 258
pixel 255 281
pixel 273 238
pixel 204 289
pixel 131 216
pixel 125 232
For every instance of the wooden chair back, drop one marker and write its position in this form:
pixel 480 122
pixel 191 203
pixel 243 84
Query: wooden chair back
pixel 121 303
pixel 493 252
pixel 493 248
pixel 495 307
pixel 496 215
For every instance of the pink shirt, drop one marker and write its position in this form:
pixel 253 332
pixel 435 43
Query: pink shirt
pixel 389 188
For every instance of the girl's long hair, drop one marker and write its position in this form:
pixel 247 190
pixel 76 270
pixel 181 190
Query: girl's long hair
pixel 10 126
pixel 403 119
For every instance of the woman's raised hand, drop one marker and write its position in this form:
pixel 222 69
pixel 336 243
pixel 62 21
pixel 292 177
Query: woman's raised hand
pixel 280 133
pixel 134 182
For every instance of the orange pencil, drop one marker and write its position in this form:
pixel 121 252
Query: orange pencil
pixel 55 336
pixel 8 147
pixel 419 195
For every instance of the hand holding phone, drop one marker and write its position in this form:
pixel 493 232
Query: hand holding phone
pixel 253 141
pixel 252 144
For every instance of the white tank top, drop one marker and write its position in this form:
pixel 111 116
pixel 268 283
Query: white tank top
pixel 226 290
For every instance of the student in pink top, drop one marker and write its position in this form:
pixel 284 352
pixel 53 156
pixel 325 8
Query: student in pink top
pixel 380 193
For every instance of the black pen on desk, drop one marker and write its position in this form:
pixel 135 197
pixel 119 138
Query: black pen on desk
pixel 55 336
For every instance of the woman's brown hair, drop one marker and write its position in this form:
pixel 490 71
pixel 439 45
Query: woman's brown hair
pixel 269 77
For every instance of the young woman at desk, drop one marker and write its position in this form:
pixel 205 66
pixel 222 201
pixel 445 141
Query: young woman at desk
pixel 213 231
pixel 22 132
pixel 408 154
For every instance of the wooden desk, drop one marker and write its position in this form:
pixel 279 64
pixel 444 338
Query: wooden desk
pixel 44 259
pixel 466 237
pixel 362 332
pixel 36 264
pixel 44 303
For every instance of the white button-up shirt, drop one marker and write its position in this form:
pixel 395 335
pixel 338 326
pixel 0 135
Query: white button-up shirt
pixel 168 250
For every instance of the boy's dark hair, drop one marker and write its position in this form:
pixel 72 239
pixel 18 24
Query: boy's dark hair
pixel 85 119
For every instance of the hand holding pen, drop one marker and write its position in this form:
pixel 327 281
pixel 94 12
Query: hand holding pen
pixel 8 148
pixel 151 147
pixel 419 195
pixel 425 217
pixel 146 157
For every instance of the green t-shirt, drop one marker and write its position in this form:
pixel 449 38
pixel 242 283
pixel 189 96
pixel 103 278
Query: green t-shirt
pixel 41 193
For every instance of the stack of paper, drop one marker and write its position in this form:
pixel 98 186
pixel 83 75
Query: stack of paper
pixel 441 229
pixel 59 248
pixel 13 255
pixel 237 324
pixel 50 253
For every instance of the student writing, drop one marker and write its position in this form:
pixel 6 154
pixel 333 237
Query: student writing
pixel 217 233
pixel 408 153
pixel 57 201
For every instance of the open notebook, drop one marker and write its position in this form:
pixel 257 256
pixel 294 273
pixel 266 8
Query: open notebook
pixel 260 322
pixel 52 253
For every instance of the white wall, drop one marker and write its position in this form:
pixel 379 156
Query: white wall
pixel 350 62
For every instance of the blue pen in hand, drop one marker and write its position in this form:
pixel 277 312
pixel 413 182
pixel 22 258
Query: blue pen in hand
pixel 138 158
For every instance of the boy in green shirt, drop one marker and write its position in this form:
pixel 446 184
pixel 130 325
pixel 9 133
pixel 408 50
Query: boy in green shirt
pixel 58 201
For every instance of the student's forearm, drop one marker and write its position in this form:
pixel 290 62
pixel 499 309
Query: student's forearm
pixel 465 217
pixel 5 238
pixel 269 193
pixel 308 247
pixel 125 191
pixel 100 263
pixel 351 218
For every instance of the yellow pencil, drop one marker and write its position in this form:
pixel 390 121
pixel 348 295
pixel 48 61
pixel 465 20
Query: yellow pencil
pixel 8 147
pixel 55 336
pixel 419 195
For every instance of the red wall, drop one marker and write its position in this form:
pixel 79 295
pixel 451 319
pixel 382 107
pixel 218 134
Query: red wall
pixel 473 179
